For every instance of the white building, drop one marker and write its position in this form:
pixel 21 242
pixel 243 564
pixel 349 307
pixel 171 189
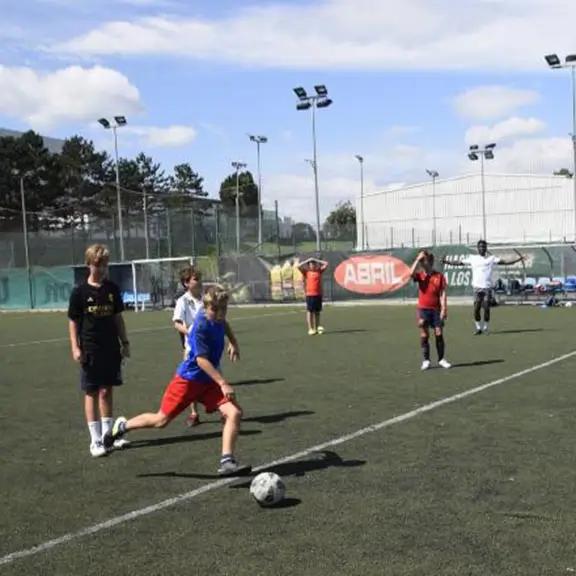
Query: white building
pixel 519 209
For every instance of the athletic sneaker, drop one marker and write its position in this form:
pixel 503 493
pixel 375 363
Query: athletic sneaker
pixel 311 332
pixel 97 450
pixel 230 467
pixel 477 332
pixel 425 365
pixel 117 432
pixel 121 443
pixel 192 420
pixel 444 363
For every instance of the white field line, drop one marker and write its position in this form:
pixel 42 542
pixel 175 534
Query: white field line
pixel 140 330
pixel 210 486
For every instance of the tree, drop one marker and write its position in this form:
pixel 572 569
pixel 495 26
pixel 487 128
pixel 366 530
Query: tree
pixel 184 186
pixel 563 172
pixel 154 183
pixel 248 193
pixel 341 222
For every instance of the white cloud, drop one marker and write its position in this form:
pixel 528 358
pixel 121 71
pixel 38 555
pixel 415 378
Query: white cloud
pixel 45 99
pixel 169 137
pixel 492 102
pixel 344 34
pixel 511 128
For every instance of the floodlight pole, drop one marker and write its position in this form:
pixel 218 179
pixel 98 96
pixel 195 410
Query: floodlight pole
pixel 486 153
pixel 21 175
pixel 433 174
pixel 259 140
pixel 312 101
pixel 238 166
pixel 362 235
pixel 114 125
pixel 555 63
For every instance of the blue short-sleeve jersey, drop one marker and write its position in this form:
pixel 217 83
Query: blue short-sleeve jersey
pixel 207 339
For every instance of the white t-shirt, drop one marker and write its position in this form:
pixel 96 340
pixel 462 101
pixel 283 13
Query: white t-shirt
pixel 185 311
pixel 482 267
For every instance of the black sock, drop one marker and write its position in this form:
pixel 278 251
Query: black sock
pixel 440 346
pixel 425 345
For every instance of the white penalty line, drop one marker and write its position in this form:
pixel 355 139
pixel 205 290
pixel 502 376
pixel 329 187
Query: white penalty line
pixel 140 330
pixel 209 487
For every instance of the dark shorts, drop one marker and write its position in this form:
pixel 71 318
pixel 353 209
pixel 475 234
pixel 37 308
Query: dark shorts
pixel 429 318
pixel 182 340
pixel 314 303
pixel 483 294
pixel 100 370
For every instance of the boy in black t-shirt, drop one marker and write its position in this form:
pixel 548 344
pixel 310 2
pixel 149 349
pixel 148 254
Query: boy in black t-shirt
pixel 99 343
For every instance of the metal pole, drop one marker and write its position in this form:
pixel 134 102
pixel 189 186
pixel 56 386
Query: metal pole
pixel 146 238
pixel 484 236
pixel 238 210
pixel 316 194
pixel 434 211
pixel 118 196
pixel 574 143
pixel 26 246
pixel 277 228
pixel 362 203
pixel 259 196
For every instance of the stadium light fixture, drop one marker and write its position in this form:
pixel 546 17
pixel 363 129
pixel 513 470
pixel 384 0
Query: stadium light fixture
pixel 119 122
pixel 259 140
pixel 312 102
pixel 555 63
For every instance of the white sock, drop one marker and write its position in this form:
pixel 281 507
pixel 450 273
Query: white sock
pixel 478 326
pixel 107 425
pixel 486 326
pixel 95 429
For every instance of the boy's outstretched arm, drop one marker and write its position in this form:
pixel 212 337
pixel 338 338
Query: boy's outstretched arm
pixel 453 262
pixel 233 347
pixel 511 262
pixel 416 263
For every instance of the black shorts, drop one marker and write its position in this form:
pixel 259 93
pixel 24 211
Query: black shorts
pixel 100 370
pixel 429 318
pixel 314 303
pixel 481 294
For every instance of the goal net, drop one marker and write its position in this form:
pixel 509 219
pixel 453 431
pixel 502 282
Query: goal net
pixel 155 282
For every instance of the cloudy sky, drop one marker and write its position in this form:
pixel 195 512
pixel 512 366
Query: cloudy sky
pixel 414 82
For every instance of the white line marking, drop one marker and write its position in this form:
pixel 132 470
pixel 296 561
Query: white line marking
pixel 139 330
pixel 209 487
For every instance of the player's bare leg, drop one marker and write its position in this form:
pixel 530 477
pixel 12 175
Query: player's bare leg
pixel 94 424
pixel 193 418
pixel 311 319
pixel 440 347
pixel 232 414
pixel 477 317
pixel 425 345
pixel 319 327
pixel 122 426
pixel 486 313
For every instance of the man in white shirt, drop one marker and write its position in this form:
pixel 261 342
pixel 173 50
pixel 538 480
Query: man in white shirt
pixel 482 265
pixel 187 306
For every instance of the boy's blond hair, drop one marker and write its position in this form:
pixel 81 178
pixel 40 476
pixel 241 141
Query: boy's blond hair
pixel 97 255
pixel 215 297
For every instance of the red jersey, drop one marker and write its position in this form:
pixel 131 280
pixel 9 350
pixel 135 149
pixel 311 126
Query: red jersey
pixel 313 282
pixel 430 287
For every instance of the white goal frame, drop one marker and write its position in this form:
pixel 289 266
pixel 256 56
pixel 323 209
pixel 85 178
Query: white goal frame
pixel 134 263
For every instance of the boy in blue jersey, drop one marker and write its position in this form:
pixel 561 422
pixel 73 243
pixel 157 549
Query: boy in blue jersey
pixel 198 379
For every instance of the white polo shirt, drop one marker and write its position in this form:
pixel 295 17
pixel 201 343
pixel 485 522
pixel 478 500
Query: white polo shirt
pixel 482 268
pixel 185 311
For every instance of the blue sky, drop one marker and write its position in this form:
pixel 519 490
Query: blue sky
pixel 413 83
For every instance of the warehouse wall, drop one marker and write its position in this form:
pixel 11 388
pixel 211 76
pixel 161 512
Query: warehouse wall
pixel 519 209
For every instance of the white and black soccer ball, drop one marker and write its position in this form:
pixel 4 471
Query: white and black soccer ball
pixel 268 489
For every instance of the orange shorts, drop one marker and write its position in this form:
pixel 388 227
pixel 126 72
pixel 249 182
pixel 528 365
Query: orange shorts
pixel 180 393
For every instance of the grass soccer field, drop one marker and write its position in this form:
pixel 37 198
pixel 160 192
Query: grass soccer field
pixel 389 471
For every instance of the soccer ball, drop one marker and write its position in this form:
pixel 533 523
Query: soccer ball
pixel 268 489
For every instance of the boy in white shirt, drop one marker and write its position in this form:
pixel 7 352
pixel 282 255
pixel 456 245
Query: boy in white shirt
pixel 187 306
pixel 482 265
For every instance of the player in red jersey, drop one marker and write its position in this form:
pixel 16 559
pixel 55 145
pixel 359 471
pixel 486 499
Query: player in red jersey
pixel 432 306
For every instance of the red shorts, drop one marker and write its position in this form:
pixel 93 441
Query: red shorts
pixel 180 393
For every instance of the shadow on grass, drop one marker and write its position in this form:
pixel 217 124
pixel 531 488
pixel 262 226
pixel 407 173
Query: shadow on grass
pixel 346 331
pixel 517 331
pixel 296 468
pixel 135 444
pixel 477 363
pixel 279 417
pixel 255 381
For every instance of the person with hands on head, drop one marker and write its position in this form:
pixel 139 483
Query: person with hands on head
pixel 482 265
pixel 312 271
pixel 99 343
pixel 432 306
pixel 199 379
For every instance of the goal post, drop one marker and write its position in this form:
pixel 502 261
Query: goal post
pixel 155 282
